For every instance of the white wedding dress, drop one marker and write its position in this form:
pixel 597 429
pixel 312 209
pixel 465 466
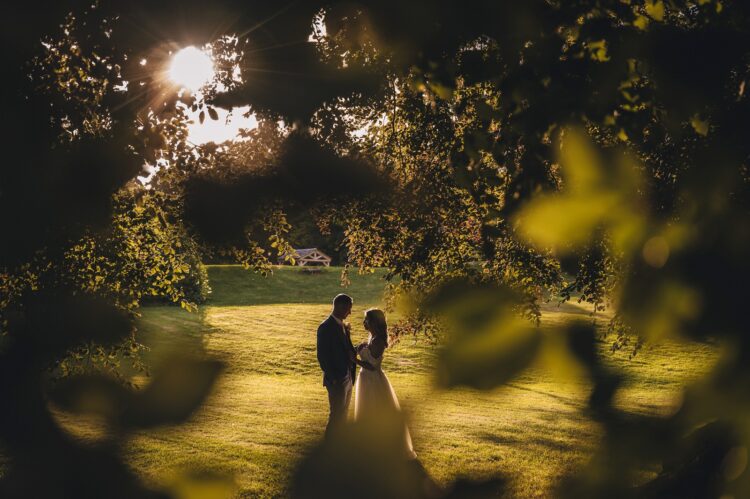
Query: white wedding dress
pixel 374 393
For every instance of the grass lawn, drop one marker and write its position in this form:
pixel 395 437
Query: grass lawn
pixel 270 406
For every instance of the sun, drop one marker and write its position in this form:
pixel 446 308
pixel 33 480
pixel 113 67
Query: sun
pixel 192 68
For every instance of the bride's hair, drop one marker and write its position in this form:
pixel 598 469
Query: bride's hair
pixel 378 326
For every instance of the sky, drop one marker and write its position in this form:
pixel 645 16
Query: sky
pixel 225 128
pixel 192 68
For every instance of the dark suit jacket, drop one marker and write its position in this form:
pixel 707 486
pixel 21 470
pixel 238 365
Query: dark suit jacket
pixel 334 349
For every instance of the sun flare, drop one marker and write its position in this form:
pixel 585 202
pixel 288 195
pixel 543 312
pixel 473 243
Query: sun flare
pixel 192 68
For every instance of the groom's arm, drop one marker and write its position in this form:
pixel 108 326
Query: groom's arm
pixel 325 352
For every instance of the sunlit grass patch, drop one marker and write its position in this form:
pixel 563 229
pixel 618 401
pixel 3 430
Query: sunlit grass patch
pixel 270 405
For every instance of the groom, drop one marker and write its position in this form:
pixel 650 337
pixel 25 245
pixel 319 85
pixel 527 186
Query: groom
pixel 337 356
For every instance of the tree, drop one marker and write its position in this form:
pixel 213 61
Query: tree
pixel 507 139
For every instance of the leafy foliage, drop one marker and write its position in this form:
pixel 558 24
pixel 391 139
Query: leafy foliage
pixel 139 258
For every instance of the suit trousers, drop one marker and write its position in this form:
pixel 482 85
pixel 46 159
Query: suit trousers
pixel 339 398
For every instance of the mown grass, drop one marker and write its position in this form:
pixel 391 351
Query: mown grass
pixel 270 407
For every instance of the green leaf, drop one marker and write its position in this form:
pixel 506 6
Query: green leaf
pixel 554 221
pixel 700 126
pixel 202 484
pixel 490 357
pixel 655 9
pixel 175 392
pixel 92 394
pixel 489 343
pixel 641 22
pixel 598 50
pixel 591 197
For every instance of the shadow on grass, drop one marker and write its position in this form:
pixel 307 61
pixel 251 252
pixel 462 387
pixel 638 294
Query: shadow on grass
pixel 526 441
pixel 569 401
pixel 232 285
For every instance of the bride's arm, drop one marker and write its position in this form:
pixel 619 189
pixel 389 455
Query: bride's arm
pixel 377 347
pixel 364 364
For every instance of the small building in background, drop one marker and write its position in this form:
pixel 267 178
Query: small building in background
pixel 307 257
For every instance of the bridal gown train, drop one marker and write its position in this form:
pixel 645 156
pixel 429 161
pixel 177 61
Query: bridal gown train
pixel 374 393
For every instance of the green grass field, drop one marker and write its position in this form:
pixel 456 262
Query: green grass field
pixel 270 407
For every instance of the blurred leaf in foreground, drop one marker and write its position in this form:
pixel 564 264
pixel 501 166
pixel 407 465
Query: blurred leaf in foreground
pixel 593 195
pixel 202 484
pixel 176 391
pixel 489 342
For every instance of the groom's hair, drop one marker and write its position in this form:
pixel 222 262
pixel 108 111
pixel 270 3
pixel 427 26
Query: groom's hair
pixel 341 300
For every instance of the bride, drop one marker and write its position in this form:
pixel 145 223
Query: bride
pixel 374 393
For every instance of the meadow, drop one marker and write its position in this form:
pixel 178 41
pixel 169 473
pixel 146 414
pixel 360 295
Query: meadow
pixel 270 407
